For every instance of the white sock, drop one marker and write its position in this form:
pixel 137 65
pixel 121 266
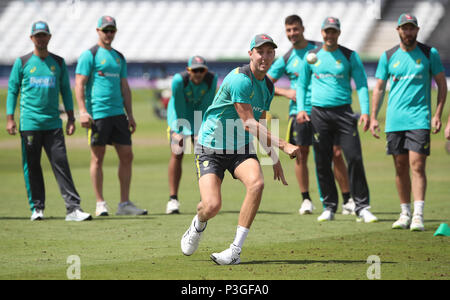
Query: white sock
pixel 199 225
pixel 418 207
pixel 241 235
pixel 406 208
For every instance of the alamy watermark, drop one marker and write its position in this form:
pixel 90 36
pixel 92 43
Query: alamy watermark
pixel 228 137
pixel 74 269
pixel 374 270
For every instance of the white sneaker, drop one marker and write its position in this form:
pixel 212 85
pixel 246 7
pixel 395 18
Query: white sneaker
pixel 306 208
pixel 78 215
pixel 349 207
pixel 403 222
pixel 173 207
pixel 130 209
pixel 101 209
pixel 191 239
pixel 230 256
pixel 417 223
pixel 37 215
pixel 327 215
pixel 366 216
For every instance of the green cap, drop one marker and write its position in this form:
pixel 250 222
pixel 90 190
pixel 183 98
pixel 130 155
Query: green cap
pixel 106 21
pixel 197 62
pixel 407 18
pixel 261 39
pixel 40 26
pixel 331 22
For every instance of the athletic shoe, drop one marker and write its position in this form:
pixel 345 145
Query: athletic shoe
pixel 403 222
pixel 78 215
pixel 128 208
pixel 173 207
pixel 230 256
pixel 37 215
pixel 306 208
pixel 349 207
pixel 417 223
pixel 366 216
pixel 191 239
pixel 101 209
pixel 327 215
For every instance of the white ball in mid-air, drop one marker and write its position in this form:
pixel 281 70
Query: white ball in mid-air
pixel 311 58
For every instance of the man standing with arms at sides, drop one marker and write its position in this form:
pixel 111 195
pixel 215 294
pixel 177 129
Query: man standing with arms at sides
pixel 301 133
pixel 102 91
pixel 39 77
pixel 226 143
pixel 332 117
pixel 410 67
pixel 192 93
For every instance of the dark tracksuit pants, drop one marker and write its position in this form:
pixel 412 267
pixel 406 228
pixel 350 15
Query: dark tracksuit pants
pixel 54 145
pixel 327 124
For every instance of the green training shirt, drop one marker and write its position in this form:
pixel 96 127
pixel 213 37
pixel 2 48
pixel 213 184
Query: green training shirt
pixel 290 64
pixel 103 90
pixel 409 74
pixel 39 82
pixel 189 103
pixel 222 127
pixel 330 79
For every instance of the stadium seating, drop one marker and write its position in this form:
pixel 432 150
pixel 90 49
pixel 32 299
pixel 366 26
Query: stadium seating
pixel 173 30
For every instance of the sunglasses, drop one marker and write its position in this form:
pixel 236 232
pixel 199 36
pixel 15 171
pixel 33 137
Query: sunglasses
pixel 109 31
pixel 199 70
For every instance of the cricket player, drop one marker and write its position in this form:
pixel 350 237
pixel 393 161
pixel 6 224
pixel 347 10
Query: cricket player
pixel 409 67
pixel 332 117
pixel 192 93
pixel 225 143
pixel 39 77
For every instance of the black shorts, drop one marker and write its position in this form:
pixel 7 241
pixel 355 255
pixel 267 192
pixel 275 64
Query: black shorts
pixel 110 130
pixel 400 142
pixel 301 134
pixel 211 161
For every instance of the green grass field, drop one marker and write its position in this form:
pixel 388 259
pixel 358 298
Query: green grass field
pixel 281 244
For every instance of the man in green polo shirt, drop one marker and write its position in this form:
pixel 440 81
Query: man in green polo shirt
pixel 39 77
pixel 102 92
pixel 409 66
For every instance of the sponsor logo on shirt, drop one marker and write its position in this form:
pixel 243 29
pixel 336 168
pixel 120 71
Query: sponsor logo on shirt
pixel 43 81
pixel 406 77
pixel 328 75
pixel 107 74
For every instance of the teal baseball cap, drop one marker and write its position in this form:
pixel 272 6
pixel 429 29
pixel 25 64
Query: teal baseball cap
pixel 331 22
pixel 40 26
pixel 197 62
pixel 106 21
pixel 261 39
pixel 407 18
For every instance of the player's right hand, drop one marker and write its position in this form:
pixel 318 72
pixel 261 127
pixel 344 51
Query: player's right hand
pixel 291 150
pixel 85 120
pixel 302 117
pixel 11 127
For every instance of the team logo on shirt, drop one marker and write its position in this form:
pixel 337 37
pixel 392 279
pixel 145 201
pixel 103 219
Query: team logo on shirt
pixel 396 64
pixel 53 69
pixel 33 69
pixel 418 63
pixel 295 62
pixel 103 62
pixel 118 61
pixel 252 94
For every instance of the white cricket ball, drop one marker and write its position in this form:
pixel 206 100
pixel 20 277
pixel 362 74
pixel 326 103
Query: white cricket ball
pixel 311 58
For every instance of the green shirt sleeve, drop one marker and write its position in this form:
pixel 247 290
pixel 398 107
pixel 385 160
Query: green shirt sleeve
pixel 123 69
pixel 436 63
pixel 359 76
pixel 14 87
pixel 277 69
pixel 241 89
pixel 85 64
pixel 66 92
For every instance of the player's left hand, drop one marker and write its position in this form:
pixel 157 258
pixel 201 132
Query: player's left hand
pixel 436 124
pixel 131 124
pixel 366 120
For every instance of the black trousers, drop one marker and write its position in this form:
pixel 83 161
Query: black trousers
pixel 341 123
pixel 54 145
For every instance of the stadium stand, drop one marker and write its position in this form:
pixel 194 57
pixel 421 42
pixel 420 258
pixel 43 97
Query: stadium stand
pixel 172 30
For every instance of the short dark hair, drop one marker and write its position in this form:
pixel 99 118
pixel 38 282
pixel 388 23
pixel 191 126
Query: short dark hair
pixel 293 19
